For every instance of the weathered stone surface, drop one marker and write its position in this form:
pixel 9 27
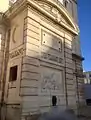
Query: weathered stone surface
pixel 41 49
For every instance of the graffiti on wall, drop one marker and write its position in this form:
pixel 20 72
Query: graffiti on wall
pixel 51 81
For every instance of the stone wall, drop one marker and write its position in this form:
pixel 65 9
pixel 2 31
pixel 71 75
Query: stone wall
pixel 16 51
pixel 30 67
pixel 70 82
pixel 48 57
pixel 41 48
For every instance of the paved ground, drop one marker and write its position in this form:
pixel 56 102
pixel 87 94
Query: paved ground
pixel 85 113
pixel 84 118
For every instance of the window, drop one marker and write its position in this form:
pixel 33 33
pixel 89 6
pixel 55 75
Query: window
pixel 88 102
pixel 89 75
pixel 13 73
pixel 66 3
pixel 54 100
pixel 84 76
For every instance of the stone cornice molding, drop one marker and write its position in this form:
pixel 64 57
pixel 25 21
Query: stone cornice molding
pixel 61 10
pixel 20 5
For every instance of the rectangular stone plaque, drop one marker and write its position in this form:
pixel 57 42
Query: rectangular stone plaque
pixel 51 81
pixel 51 40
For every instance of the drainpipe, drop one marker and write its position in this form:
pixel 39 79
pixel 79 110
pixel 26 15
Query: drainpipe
pixel 77 89
pixel 66 94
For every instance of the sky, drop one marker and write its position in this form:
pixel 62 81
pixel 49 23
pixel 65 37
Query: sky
pixel 3 5
pixel 84 14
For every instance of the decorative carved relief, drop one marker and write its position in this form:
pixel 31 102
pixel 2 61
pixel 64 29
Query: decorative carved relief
pixel 13 34
pixel 52 58
pixel 45 5
pixel 59 17
pixel 16 53
pixel 51 80
pixel 53 11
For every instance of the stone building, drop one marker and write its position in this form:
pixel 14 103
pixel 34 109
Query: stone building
pixel 87 87
pixel 87 77
pixel 40 57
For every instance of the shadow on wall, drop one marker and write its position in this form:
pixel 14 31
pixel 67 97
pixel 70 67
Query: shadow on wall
pixel 4 49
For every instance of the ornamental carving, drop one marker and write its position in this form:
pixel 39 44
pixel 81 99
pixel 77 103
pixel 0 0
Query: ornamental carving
pixel 13 34
pixel 52 58
pixel 51 80
pixel 16 53
pixel 60 15
pixel 53 11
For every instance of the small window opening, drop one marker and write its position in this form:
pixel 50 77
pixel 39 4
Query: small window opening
pixel 54 100
pixel 89 75
pixel 66 3
pixel 88 102
pixel 13 73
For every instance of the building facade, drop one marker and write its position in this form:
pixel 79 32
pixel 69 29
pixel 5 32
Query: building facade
pixel 87 77
pixel 87 87
pixel 40 58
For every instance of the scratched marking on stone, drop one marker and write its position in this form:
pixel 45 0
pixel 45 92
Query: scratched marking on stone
pixel 50 82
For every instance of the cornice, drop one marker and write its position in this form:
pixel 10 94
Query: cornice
pixel 17 7
pixel 23 4
pixel 62 11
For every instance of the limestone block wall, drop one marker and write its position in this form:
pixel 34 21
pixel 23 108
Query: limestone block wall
pixel 48 57
pixel 16 52
pixel 80 82
pixel 76 46
pixel 30 67
pixel 70 82
pixel 40 49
